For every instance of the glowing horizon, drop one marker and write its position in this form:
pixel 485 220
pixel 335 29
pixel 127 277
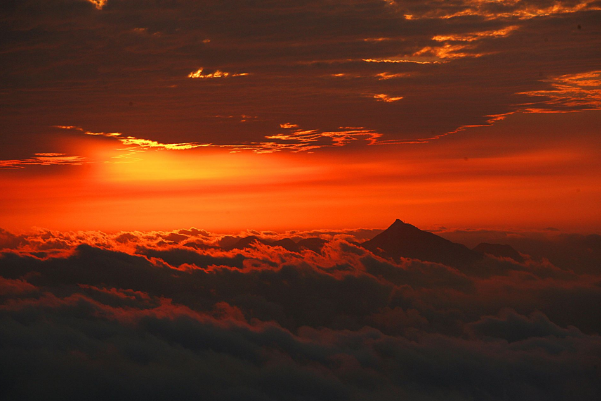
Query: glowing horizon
pixel 173 127
pixel 300 200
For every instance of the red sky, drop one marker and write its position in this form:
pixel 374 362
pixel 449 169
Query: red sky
pixel 129 115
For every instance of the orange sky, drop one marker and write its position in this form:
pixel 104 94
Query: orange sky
pixel 473 179
pixel 119 117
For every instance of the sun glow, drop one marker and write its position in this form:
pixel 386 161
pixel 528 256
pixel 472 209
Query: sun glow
pixel 203 168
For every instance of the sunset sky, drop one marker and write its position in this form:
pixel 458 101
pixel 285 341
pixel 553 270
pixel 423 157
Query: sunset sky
pixel 304 200
pixel 228 115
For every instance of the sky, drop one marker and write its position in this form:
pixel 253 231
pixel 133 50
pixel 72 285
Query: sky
pixel 194 197
pixel 278 115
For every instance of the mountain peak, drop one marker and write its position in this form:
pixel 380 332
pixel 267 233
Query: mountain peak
pixel 401 225
pixel 405 240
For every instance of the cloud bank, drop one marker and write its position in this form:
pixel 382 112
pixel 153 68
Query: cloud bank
pixel 164 71
pixel 190 313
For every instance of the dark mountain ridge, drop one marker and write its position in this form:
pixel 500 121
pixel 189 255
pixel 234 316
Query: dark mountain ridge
pixel 499 250
pixel 405 240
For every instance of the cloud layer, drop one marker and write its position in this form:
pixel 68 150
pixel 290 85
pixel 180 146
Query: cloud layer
pixel 125 66
pixel 164 314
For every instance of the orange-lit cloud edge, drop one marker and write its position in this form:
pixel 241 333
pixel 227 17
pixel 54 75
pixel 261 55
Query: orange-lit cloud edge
pixel 489 10
pixel 568 93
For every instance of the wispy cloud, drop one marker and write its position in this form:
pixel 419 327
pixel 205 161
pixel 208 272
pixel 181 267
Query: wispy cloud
pixel 198 74
pixel 502 9
pixel 569 93
pixel 307 140
pixel 298 140
pixel 44 159
pixel 470 37
pixel 139 142
pixel 446 52
pixel 387 75
pixel 396 60
pixel 386 98
pixel 149 144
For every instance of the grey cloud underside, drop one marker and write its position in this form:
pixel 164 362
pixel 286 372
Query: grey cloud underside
pixel 69 61
pixel 173 320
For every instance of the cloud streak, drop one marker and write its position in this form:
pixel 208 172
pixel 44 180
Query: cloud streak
pixel 198 74
pixel 138 143
pixel 569 93
pixel 44 159
pixel 505 9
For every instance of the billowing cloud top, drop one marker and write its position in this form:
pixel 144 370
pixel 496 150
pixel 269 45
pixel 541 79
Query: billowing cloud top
pixel 196 314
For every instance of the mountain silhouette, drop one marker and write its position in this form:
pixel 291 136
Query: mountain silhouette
pixel 500 251
pixel 405 240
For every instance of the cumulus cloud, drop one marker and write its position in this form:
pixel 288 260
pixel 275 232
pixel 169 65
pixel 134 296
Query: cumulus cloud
pixel 177 332
pixel 147 311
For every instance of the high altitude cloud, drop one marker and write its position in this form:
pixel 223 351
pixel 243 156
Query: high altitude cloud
pixel 569 93
pixel 129 62
pixel 494 9
pixel 138 142
pixel 43 159
pixel 198 74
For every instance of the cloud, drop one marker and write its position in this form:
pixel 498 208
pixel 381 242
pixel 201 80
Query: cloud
pixel 142 311
pixel 569 93
pixel 217 74
pixel 570 252
pixel 137 142
pixel 44 159
pixel 298 140
pixel 447 54
pixel 15 287
pixel 336 266
pixel 473 36
pixel 99 4
pixel 149 144
pixel 505 9
pixel 388 99
pixel 400 59
pixel 513 327
pixel 386 75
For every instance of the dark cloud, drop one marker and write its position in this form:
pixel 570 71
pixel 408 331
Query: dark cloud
pixel 268 323
pixel 513 327
pixel 11 241
pixel 71 62
pixel 577 252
